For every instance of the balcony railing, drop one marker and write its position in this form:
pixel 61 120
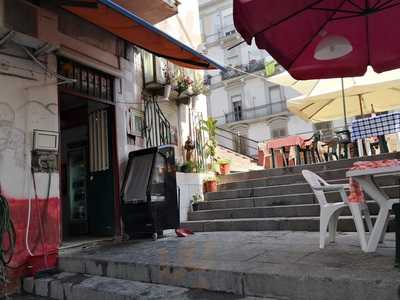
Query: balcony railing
pixel 252 66
pixel 255 112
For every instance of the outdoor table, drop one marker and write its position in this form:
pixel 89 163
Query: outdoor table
pixel 281 143
pixel 375 126
pixel 365 179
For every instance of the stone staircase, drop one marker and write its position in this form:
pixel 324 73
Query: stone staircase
pixel 277 199
pixel 238 162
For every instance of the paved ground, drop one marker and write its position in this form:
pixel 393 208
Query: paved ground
pixel 245 249
pixel 290 262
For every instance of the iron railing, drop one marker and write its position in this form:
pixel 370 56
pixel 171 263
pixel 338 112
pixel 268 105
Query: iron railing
pixel 252 66
pixel 256 112
pixel 198 138
pixel 236 142
pixel 157 129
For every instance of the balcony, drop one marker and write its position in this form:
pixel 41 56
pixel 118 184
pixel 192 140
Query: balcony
pixel 256 112
pixel 252 66
pixel 153 11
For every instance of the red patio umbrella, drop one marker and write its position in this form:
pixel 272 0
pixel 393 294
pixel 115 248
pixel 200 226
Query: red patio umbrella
pixel 315 39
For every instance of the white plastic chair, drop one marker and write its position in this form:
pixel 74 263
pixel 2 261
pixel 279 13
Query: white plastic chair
pixel 330 212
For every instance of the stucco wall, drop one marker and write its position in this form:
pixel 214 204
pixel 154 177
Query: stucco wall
pixel 25 105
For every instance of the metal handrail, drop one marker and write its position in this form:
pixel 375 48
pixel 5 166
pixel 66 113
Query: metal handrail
pixel 237 143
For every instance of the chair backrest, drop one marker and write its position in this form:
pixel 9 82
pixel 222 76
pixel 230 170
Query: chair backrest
pixel 315 181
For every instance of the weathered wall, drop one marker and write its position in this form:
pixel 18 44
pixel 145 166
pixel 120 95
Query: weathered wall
pixel 27 104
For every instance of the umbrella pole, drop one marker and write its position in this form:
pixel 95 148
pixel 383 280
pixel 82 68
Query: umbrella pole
pixel 344 105
pixel 360 100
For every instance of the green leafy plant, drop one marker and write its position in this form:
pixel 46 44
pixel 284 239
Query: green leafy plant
pixel 224 161
pixel 188 167
pixel 210 126
pixel 196 198
pixel 198 86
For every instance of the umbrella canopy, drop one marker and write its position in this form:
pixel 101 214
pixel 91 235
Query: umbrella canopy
pixel 325 86
pixel 359 100
pixel 315 39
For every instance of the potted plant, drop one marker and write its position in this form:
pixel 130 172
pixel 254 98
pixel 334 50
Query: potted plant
pixel 196 199
pixel 224 166
pixel 182 84
pixel 188 167
pixel 210 184
pixel 199 86
pixel 210 126
pixel 168 79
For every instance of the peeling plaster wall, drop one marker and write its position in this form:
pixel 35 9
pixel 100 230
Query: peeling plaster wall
pixel 26 104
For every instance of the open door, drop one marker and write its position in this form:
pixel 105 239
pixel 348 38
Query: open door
pixel 101 189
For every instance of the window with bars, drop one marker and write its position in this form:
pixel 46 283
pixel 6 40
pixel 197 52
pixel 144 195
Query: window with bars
pixel 237 107
pixel 88 82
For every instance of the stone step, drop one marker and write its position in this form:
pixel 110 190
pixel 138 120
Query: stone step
pixel 303 210
pixel 332 165
pixel 276 200
pixel 345 224
pixel 280 180
pixel 286 189
pixel 76 286
pixel 329 175
pixel 281 264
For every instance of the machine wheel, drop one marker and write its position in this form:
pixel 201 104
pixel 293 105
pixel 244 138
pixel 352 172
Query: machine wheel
pixel 155 236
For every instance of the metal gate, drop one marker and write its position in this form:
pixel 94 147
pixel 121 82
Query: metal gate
pixel 157 129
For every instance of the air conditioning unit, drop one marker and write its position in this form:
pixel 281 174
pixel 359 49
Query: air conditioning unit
pixel 154 69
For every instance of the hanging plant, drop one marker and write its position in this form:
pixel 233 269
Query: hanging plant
pixel 182 83
pixel 199 85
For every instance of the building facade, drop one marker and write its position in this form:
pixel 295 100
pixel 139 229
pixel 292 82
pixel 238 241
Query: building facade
pixel 242 99
pixel 73 105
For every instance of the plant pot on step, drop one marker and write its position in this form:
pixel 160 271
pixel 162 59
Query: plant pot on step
pixel 211 186
pixel 225 168
pixel 195 206
pixel 167 90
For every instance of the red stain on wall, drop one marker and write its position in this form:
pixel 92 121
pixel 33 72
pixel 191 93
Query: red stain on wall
pixel 44 247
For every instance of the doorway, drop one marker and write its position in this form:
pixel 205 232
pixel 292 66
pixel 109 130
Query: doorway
pixel 87 178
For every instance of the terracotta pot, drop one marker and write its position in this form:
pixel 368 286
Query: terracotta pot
pixel 211 186
pixel 225 169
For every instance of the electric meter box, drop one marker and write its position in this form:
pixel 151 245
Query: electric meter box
pixel 44 140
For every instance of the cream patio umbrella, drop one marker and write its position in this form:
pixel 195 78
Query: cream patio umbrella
pixel 330 99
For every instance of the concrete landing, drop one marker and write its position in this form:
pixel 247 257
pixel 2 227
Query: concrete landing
pixel 282 265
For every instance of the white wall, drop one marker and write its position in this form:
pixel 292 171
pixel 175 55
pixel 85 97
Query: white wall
pixel 25 105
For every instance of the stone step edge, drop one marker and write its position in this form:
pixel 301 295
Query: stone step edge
pixel 272 282
pixel 371 202
pixel 75 286
pixel 314 218
pixel 271 186
pixel 320 173
pixel 281 195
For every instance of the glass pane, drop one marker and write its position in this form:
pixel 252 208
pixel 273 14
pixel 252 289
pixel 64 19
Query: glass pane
pixel 148 67
pixel 158 180
pixel 138 178
pixel 275 94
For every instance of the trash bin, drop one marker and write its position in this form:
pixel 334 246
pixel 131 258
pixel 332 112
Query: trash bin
pixel 149 193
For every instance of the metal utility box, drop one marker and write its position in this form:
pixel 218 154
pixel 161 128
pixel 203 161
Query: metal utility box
pixel 149 193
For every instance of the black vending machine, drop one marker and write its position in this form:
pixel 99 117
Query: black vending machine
pixel 149 193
